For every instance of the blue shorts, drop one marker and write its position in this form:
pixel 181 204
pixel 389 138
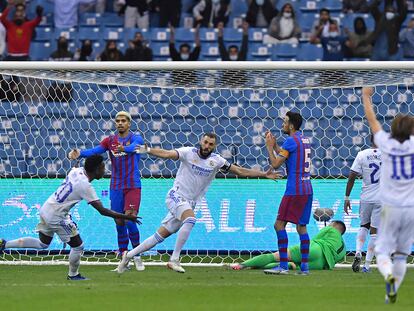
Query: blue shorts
pixel 125 199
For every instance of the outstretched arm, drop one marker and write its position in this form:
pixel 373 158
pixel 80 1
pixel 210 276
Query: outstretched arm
pixel 350 184
pixel 158 152
pixel 246 172
pixel 76 153
pixel 369 110
pixel 107 212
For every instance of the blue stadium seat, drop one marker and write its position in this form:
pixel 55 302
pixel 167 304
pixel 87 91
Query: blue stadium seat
pixel 208 35
pixel 40 51
pixel 333 5
pixel 113 33
pixel 311 5
pixel 90 33
pixel 210 51
pixel 112 20
pixel 231 35
pixel 306 21
pixel 310 52
pixel 91 19
pixel 160 50
pixel 129 34
pixel 348 21
pixel 256 34
pixel 259 52
pixel 44 34
pixel 285 51
pixel 184 35
pixel 160 35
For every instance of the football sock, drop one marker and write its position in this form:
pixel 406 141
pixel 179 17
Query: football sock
pixel 259 261
pixel 74 260
pixel 122 238
pixel 133 233
pixel 399 268
pixel 304 250
pixel 182 237
pixel 370 250
pixel 27 242
pixel 282 242
pixel 146 245
pixel 360 240
pixel 384 265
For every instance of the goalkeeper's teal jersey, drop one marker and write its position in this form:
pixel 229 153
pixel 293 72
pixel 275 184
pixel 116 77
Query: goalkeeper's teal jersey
pixel 332 244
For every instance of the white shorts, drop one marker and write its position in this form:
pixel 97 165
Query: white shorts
pixel 370 213
pixel 176 206
pixel 65 228
pixel 396 231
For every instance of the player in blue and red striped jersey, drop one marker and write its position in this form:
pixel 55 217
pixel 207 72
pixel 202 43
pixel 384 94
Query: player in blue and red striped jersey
pixel 125 189
pixel 296 205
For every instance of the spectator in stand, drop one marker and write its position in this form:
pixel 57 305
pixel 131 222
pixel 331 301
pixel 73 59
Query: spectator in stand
pixel 111 52
pixel 138 49
pixel 170 12
pixel 358 46
pixel 233 53
pixel 85 52
pixel 320 27
pixel 407 40
pixel 62 53
pixel 185 53
pixel 387 29
pixel 260 13
pixel 355 6
pixel 209 13
pixel 66 12
pixel 98 7
pixel 333 44
pixel 136 14
pixel 284 28
pixel 19 32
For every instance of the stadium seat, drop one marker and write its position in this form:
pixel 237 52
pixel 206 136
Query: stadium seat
pixel 129 34
pixel 91 19
pixel 160 34
pixel 310 52
pixel 311 5
pixel 40 51
pixel 333 5
pixel 210 51
pixel 90 33
pixel 69 33
pixel 231 35
pixel 112 20
pixel 113 33
pixel 208 35
pixel 259 51
pixel 256 34
pixel 184 35
pixel 285 51
pixel 160 50
pixel 348 21
pixel 44 34
pixel 306 21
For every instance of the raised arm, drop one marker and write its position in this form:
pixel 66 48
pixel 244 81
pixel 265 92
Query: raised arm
pixel 4 16
pixel 369 110
pixel 272 146
pixel 109 213
pixel 246 172
pixel 158 152
pixel 349 185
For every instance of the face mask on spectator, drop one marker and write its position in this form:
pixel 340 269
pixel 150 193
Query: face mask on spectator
pixel 233 57
pixel 389 15
pixel 287 14
pixel 259 2
pixel 185 56
pixel 333 34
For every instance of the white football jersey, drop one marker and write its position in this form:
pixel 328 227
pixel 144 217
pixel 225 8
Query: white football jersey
pixel 368 165
pixel 397 170
pixel 196 174
pixel 75 187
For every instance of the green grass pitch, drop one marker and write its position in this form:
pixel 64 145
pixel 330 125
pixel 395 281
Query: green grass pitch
pixel 200 288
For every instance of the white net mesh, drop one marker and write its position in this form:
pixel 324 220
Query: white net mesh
pixel 46 113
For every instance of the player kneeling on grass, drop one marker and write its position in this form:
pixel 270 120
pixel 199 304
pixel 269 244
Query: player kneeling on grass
pixel 55 217
pixel 197 170
pixel 326 249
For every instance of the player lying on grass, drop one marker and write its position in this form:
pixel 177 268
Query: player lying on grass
pixel 55 217
pixel 326 249
pixel 197 170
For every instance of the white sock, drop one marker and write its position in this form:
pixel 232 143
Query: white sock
pixel 182 237
pixel 399 268
pixel 360 240
pixel 74 260
pixel 146 245
pixel 384 265
pixel 27 242
pixel 370 251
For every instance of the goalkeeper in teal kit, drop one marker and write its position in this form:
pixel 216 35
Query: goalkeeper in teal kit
pixel 326 249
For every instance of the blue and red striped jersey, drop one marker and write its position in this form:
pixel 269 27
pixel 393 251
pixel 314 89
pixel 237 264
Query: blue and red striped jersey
pixel 125 165
pixel 297 151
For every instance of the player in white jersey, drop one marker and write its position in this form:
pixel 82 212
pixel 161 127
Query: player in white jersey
pixel 366 164
pixel 396 231
pixel 55 217
pixel 197 170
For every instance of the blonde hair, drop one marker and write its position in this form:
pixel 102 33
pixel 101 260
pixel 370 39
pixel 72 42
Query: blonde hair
pixel 124 114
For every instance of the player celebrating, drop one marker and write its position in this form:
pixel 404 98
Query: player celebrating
pixel 55 218
pixel 197 169
pixel 396 231
pixel 125 190
pixel 296 203
pixel 366 164
pixel 326 249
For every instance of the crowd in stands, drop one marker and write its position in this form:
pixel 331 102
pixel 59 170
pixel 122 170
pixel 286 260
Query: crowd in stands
pixel 341 30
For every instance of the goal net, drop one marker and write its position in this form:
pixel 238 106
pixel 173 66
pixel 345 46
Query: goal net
pixel 47 109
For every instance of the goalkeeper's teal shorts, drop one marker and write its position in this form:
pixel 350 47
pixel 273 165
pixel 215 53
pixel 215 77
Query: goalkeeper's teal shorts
pixel 316 259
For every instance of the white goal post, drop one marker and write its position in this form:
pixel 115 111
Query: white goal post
pixel 47 108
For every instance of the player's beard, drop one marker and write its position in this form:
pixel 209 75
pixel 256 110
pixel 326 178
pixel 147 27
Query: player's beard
pixel 204 153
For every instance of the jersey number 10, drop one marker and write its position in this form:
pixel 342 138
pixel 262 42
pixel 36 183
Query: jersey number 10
pixel 401 167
